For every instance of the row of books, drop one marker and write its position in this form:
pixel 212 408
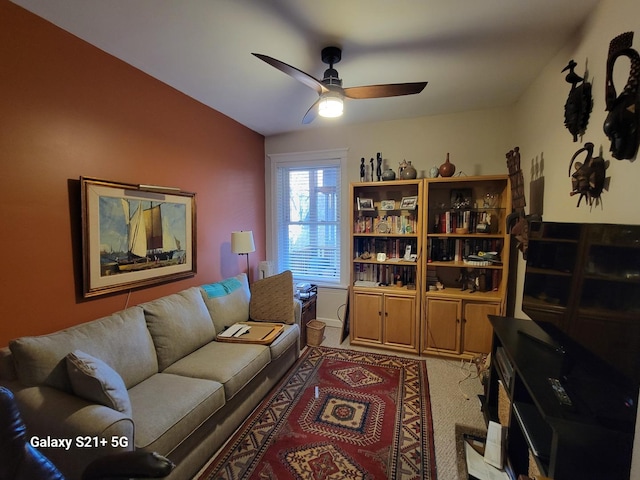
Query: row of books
pixel 448 222
pixel 392 224
pixel 487 280
pixel 459 249
pixel 392 247
pixel 385 274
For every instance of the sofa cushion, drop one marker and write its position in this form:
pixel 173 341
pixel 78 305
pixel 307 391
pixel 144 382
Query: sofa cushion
pixel 179 324
pixel 231 364
pixel 121 340
pixel 227 301
pixel 289 336
pixel 168 408
pixel 94 380
pixel 272 299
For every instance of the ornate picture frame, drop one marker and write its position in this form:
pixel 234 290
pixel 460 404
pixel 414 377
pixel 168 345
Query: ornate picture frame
pixel 409 203
pixel 387 205
pixel 135 235
pixel 365 204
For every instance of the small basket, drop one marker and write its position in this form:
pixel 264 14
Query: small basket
pixel 315 332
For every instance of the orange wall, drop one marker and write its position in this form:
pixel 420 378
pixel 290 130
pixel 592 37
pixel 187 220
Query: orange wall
pixel 67 109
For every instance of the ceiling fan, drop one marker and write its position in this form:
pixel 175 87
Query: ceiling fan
pixel 330 87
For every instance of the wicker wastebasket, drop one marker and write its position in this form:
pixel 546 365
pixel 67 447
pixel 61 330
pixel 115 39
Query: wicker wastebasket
pixel 315 332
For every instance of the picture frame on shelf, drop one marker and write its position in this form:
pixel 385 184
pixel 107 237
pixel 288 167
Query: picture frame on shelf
pixel 461 198
pixel 365 204
pixel 409 203
pixel 388 205
pixel 135 235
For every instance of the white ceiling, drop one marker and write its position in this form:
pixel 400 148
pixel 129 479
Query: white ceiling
pixel 475 54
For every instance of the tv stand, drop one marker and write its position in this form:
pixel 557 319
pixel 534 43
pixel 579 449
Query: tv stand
pixel 565 439
pixel 552 344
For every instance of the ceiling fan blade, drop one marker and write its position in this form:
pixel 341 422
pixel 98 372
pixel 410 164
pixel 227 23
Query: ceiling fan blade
pixel 299 75
pixel 388 90
pixel 311 114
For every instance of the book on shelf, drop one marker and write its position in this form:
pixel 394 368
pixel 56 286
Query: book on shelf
pixel 386 224
pixel 458 249
pixel 393 248
pixel 385 274
pixel 449 221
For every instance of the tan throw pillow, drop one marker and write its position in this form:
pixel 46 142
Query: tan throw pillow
pixel 94 380
pixel 272 299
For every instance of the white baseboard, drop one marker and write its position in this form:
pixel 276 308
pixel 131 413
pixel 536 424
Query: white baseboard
pixel 331 322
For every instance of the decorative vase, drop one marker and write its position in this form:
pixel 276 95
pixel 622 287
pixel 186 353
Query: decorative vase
pixel 388 174
pixel 447 169
pixel 434 172
pixel 409 172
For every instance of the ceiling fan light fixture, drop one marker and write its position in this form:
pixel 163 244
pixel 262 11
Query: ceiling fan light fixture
pixel 330 105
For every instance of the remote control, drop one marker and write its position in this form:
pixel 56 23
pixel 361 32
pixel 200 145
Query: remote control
pixel 560 392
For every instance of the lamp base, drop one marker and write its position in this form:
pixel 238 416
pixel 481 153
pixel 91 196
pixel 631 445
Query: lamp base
pixel 248 271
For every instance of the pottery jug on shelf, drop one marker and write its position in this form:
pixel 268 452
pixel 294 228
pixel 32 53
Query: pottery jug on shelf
pixel 388 174
pixel 447 169
pixel 409 172
pixel 434 172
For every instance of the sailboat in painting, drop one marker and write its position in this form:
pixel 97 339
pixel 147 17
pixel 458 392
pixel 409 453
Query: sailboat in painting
pixel 151 244
pixel 149 241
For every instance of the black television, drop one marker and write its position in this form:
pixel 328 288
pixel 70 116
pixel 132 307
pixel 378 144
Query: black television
pixel 582 287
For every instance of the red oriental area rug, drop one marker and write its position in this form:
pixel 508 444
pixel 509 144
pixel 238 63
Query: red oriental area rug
pixel 338 414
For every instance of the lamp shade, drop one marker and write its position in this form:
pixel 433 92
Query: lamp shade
pixel 242 242
pixel 330 105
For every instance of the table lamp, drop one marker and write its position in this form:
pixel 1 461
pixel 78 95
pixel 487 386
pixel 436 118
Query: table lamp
pixel 242 244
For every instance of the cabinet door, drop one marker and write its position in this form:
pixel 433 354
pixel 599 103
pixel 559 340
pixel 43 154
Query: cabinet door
pixel 399 321
pixel 477 331
pixel 443 325
pixel 367 317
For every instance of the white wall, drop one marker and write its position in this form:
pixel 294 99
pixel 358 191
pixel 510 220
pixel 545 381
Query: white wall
pixel 476 141
pixel 539 117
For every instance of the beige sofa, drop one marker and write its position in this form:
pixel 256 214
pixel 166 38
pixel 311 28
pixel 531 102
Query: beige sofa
pixel 153 376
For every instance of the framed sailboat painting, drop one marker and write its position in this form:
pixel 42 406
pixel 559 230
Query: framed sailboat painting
pixel 135 235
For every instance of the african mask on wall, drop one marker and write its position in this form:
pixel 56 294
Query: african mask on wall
pixel 622 124
pixel 590 176
pixel 579 103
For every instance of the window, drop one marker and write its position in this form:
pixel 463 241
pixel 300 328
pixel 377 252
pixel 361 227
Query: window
pixel 307 205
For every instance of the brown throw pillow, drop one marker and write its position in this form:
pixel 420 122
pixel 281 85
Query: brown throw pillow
pixel 272 299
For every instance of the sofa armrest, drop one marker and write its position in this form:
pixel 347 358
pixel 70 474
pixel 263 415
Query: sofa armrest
pixel 91 430
pixel 7 368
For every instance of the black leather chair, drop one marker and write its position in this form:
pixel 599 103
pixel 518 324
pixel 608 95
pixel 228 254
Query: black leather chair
pixel 20 461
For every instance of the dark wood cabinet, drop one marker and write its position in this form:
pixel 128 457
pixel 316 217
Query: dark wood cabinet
pixel 585 280
pixel 592 437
